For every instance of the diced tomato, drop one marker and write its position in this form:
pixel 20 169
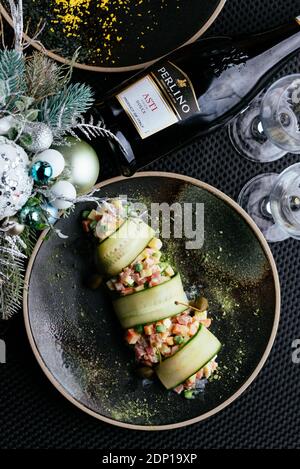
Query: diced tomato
pixel 132 337
pixel 86 225
pixel 200 374
pixel 175 349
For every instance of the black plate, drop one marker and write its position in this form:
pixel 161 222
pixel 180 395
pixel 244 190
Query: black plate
pixel 78 342
pixel 117 35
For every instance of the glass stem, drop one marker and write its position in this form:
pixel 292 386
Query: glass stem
pixel 257 130
pixel 265 208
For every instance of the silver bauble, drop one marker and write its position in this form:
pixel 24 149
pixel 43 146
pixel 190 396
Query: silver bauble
pixel 6 123
pixel 42 137
pixel 15 183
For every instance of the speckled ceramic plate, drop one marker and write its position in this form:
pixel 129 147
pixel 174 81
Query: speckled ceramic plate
pixel 115 35
pixel 78 342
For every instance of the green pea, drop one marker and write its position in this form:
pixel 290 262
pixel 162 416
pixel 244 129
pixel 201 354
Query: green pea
pixel 138 268
pixel 178 340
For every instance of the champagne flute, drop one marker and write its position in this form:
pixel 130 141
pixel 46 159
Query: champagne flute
pixel 273 201
pixel 270 127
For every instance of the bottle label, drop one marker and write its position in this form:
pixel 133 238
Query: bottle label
pixel 162 98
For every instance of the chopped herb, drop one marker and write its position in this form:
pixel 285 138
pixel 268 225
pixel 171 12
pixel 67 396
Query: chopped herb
pixel 139 329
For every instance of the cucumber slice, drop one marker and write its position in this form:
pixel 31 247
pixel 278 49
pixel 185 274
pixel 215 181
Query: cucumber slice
pixel 152 304
pixel 121 248
pixel 199 351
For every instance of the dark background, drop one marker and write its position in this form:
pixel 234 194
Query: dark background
pixel 34 415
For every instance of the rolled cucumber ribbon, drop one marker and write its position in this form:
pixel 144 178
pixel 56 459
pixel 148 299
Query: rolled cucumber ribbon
pixel 121 248
pixel 152 304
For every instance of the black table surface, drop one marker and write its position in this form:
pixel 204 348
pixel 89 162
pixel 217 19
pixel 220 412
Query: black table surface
pixel 34 415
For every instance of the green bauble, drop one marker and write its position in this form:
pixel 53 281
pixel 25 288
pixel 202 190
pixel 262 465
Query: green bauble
pixel 82 165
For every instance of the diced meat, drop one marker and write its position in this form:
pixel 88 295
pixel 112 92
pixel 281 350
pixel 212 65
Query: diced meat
pixel 179 389
pixel 193 329
pixel 206 323
pixel 178 329
pixel 185 319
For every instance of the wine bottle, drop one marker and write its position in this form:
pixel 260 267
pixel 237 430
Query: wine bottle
pixel 191 92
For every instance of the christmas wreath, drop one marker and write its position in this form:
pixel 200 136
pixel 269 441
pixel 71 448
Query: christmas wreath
pixel 42 113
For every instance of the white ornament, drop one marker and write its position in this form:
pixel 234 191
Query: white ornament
pixel 15 183
pixel 62 195
pixel 6 123
pixel 55 159
pixel 42 137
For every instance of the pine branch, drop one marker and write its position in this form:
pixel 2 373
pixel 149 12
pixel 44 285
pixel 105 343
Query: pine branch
pixel 12 75
pixel 11 276
pixel 13 253
pixel 29 239
pixel 62 111
pixel 44 77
